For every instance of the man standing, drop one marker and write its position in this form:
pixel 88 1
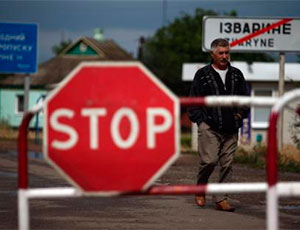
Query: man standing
pixel 217 126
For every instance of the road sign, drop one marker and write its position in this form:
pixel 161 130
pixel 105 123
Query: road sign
pixel 253 34
pixel 18 48
pixel 111 127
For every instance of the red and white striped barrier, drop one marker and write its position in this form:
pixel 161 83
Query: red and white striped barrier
pixel 274 189
pixel 272 169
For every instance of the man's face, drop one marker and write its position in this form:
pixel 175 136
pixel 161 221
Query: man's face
pixel 221 57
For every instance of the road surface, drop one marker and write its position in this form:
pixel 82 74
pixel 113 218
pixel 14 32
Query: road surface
pixel 139 212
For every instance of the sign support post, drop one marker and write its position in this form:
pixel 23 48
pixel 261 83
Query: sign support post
pixel 280 93
pixel 26 93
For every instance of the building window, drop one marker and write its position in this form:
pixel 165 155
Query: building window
pixel 260 115
pixel 20 104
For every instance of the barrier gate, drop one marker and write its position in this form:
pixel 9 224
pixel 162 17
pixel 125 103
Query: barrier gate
pixel 272 188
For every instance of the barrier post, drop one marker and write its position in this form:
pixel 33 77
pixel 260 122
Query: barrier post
pixel 272 155
pixel 23 210
pixel 23 206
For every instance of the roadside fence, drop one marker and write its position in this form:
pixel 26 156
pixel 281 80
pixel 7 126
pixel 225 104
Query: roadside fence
pixel 273 189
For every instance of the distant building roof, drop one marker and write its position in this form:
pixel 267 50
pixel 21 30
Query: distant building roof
pixel 257 71
pixel 54 70
pixel 105 50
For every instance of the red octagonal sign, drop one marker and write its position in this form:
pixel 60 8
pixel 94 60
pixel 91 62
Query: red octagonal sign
pixel 111 127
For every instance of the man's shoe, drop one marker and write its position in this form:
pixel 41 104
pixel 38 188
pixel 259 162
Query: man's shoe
pixel 200 200
pixel 224 206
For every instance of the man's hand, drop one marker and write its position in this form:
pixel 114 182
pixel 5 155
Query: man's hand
pixel 238 120
pixel 238 115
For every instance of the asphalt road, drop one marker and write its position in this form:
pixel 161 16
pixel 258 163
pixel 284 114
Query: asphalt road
pixel 139 212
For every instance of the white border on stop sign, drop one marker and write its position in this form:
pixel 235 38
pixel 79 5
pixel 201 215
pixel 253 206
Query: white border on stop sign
pixel 157 82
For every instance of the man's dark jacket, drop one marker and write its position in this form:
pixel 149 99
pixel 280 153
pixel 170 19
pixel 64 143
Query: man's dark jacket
pixel 208 82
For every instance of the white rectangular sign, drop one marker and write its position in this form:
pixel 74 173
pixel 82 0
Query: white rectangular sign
pixel 253 34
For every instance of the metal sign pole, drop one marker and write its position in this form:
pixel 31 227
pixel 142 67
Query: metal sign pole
pixel 26 93
pixel 280 94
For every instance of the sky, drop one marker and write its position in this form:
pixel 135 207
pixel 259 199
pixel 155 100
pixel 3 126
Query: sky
pixel 125 21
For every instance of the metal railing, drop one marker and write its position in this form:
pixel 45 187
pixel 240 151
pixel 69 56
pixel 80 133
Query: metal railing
pixel 273 189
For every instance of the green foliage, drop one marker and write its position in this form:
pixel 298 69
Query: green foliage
pixel 173 45
pixel 56 49
pixel 257 156
pixel 186 140
pixel 181 42
pixel 288 165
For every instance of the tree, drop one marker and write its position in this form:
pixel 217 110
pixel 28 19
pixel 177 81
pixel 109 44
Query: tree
pixel 181 42
pixel 56 49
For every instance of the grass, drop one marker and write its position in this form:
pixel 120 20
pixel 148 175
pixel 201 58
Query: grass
pixel 8 133
pixel 254 157
pixel 288 159
pixel 185 140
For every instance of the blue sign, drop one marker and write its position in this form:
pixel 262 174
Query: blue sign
pixel 18 48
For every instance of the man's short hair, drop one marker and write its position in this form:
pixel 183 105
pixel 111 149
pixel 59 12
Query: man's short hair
pixel 218 42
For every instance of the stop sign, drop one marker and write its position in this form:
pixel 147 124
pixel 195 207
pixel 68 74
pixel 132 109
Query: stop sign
pixel 111 127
